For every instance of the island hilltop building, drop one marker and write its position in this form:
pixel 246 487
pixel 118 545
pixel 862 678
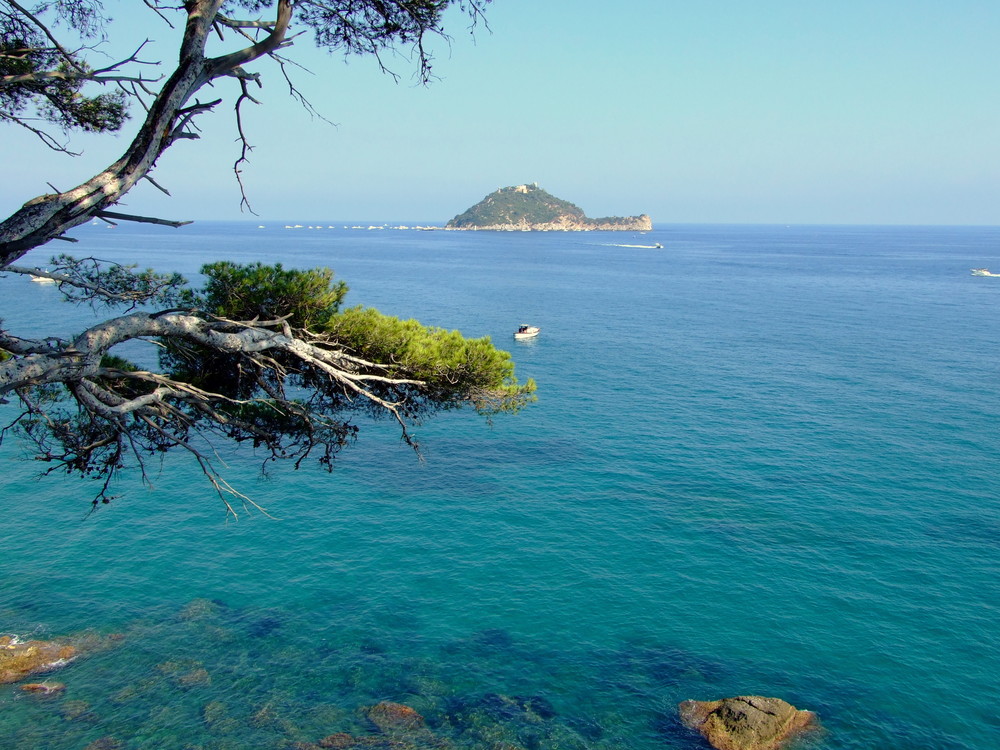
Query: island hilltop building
pixel 526 208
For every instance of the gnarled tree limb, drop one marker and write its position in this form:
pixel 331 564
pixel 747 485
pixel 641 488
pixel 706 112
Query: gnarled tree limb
pixel 117 407
pixel 48 216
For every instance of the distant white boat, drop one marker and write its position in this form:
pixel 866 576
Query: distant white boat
pixel 526 332
pixel 983 272
pixel 43 280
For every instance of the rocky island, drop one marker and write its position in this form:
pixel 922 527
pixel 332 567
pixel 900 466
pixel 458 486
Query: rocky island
pixel 523 208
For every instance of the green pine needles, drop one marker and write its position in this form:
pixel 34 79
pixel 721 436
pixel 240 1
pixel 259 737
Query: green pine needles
pixel 420 368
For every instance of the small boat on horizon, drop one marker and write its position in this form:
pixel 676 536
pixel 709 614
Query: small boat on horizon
pixel 525 331
pixel 983 272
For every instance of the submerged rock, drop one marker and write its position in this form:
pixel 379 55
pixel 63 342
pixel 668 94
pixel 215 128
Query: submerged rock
pixel 214 712
pixel 504 708
pixel 264 626
pixel 510 722
pixel 201 609
pixel 343 741
pixel 394 717
pixel 265 716
pixel 400 728
pixel 747 722
pixel 77 710
pixel 185 673
pixel 105 743
pixel 199 676
pixel 338 741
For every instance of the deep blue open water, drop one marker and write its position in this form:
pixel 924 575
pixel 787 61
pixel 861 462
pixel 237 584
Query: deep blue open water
pixel 763 461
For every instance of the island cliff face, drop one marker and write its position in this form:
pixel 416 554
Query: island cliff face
pixel 523 208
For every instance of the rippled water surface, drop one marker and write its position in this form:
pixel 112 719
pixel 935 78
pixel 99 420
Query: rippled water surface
pixel 763 460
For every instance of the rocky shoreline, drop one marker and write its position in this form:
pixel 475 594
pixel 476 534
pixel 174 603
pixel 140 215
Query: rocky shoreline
pixel 421 712
pixel 529 208
pixel 640 223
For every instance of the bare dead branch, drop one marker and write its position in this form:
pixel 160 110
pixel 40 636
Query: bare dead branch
pixel 156 9
pixel 42 135
pixel 185 117
pixel 155 184
pixel 141 219
pixel 233 23
pixel 245 147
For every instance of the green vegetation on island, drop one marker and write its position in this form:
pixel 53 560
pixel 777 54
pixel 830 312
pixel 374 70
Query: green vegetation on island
pixel 529 207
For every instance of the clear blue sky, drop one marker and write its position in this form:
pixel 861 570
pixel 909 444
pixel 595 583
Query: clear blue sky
pixel 785 111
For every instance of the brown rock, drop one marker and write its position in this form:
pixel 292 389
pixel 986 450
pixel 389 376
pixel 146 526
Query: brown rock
pixel 19 660
pixel 394 717
pixel 747 722
pixel 45 688
pixel 23 659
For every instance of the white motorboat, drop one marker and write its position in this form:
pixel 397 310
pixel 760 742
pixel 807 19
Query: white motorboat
pixel 983 272
pixel 43 280
pixel 654 246
pixel 526 332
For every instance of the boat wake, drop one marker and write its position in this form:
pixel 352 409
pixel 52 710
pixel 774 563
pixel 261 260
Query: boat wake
pixel 657 246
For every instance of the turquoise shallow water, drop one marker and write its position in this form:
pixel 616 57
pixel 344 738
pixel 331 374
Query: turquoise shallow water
pixel 762 461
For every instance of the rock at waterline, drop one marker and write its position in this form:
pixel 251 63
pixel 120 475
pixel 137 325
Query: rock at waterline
pixel 523 208
pixel 18 660
pixel 747 722
pixel 43 688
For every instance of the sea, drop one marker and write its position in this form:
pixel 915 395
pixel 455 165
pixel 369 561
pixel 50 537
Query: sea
pixel 763 461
